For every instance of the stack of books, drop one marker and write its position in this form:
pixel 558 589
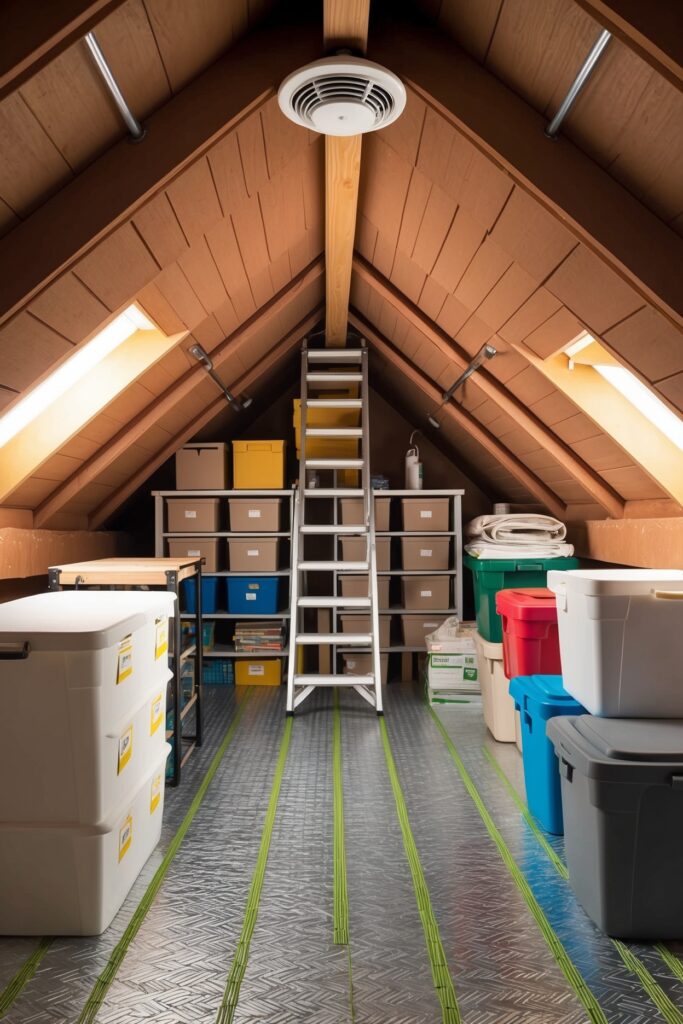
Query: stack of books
pixel 252 637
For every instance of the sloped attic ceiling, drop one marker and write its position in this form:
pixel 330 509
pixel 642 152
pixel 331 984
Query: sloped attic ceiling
pixel 471 227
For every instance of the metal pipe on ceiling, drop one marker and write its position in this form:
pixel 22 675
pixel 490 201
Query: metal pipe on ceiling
pixel 206 362
pixel 485 352
pixel 578 83
pixel 134 127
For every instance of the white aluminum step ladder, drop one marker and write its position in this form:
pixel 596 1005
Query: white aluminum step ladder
pixel 324 371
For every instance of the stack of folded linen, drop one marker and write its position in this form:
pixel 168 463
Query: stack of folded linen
pixel 509 536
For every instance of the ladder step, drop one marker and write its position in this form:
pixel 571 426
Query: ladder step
pixel 333 567
pixel 334 403
pixel 334 432
pixel 340 680
pixel 334 463
pixel 361 528
pixel 337 378
pixel 347 639
pixel 334 492
pixel 329 355
pixel 334 602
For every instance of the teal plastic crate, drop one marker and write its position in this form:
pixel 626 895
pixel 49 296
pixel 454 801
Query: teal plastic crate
pixel 218 672
pixel 494 574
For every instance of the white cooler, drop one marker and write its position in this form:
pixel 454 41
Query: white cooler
pixel 71 880
pixel 83 678
pixel 498 705
pixel 621 640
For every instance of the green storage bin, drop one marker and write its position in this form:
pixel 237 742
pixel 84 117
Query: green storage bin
pixel 494 574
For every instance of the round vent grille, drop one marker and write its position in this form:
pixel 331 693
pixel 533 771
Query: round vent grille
pixel 342 96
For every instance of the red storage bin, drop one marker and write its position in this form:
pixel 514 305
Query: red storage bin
pixel 531 645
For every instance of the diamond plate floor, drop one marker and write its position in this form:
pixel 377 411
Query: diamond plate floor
pixel 176 968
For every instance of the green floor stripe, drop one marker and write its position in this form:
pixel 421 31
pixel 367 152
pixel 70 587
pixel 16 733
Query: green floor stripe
pixel 583 993
pixel 228 1005
pixel 441 976
pixel 23 976
pixel 656 993
pixel 96 998
pixel 341 899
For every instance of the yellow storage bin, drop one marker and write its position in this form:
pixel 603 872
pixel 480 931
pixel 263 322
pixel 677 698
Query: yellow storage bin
pixel 258 465
pixel 255 672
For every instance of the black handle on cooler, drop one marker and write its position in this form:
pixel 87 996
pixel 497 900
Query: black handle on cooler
pixel 15 652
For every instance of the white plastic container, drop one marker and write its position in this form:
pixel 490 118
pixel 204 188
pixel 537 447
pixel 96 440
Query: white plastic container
pixel 498 705
pixel 83 679
pixel 71 880
pixel 621 640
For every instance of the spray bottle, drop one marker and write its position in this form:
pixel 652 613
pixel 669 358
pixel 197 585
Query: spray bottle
pixel 413 466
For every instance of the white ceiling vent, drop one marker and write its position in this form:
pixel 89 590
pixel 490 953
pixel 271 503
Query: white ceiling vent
pixel 342 96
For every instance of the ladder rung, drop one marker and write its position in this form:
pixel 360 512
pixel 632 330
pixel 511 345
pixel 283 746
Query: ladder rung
pixel 337 378
pixel 340 680
pixel 334 492
pixel 329 355
pixel 333 566
pixel 334 463
pixel 334 403
pixel 347 639
pixel 334 602
pixel 334 432
pixel 326 529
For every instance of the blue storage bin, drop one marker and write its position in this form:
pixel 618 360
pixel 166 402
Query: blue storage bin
pixel 253 595
pixel 209 595
pixel 537 699
pixel 218 672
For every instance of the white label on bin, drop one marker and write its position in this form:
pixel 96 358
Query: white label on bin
pixel 350 663
pixel 155 794
pixel 425 513
pixel 125 837
pixel 429 625
pixel 124 667
pixel 425 593
pixel 161 640
pixel 254 513
pixel 253 552
pixel 425 552
pixel 256 670
pixel 125 749
pixel 250 597
pixel 193 554
pixel 156 713
pixel 190 514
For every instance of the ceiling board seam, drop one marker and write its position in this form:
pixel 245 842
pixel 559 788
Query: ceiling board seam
pixel 222 280
pixel 424 211
pixel 555 269
pixel 493 32
pixel 224 212
pixel 144 243
pixel 244 266
pixel 50 328
pixel 45 132
pixel 422 129
pixel 500 212
pixel 265 147
pixel 452 221
pixel 166 196
pixel 439 311
pixel 189 285
pixel 156 43
pixel 265 233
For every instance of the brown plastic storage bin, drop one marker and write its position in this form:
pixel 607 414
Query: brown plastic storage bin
pixel 425 514
pixel 355 549
pixel 258 555
pixel 417 627
pixel 352 512
pixel 357 586
pixel 202 467
pixel 363 624
pixel 425 552
pixel 257 515
pixel 198 547
pixel 426 592
pixel 193 515
pixel 361 665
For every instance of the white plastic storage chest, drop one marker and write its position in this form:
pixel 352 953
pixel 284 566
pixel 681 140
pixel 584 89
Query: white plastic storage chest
pixel 83 677
pixel 621 640
pixel 622 800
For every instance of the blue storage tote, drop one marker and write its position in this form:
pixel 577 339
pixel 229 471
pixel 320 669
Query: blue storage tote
pixel 218 672
pixel 253 595
pixel 209 595
pixel 539 698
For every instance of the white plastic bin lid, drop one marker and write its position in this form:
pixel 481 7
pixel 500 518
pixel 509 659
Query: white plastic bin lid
pixel 614 582
pixel 80 620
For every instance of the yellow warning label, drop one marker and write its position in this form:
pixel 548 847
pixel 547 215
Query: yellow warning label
pixel 125 837
pixel 155 796
pixel 125 661
pixel 161 642
pixel 156 713
pixel 125 748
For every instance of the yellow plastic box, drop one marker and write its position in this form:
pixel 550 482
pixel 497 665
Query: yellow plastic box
pixel 255 672
pixel 258 465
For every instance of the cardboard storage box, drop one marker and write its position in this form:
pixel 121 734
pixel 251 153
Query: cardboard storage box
pixel 258 555
pixel 258 465
pixel 202 467
pixel 255 672
pixel 355 549
pixel 352 512
pixel 198 547
pixel 357 586
pixel 259 515
pixel 425 552
pixel 363 624
pixel 417 627
pixel 193 515
pixel 420 514
pixel 426 592
pixel 361 665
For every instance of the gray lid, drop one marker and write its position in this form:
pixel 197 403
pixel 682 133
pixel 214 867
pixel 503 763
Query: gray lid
pixel 633 739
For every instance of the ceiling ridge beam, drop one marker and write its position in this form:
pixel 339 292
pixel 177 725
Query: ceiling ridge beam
pixel 107 508
pixel 591 481
pixel 109 190
pixel 639 247
pixel 464 419
pixel 234 344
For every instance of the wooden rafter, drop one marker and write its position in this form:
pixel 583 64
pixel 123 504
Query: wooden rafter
pixel 243 383
pixel 497 392
pixel 235 344
pixel 464 419
pixel 602 214
pixel 345 26
pixel 109 190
